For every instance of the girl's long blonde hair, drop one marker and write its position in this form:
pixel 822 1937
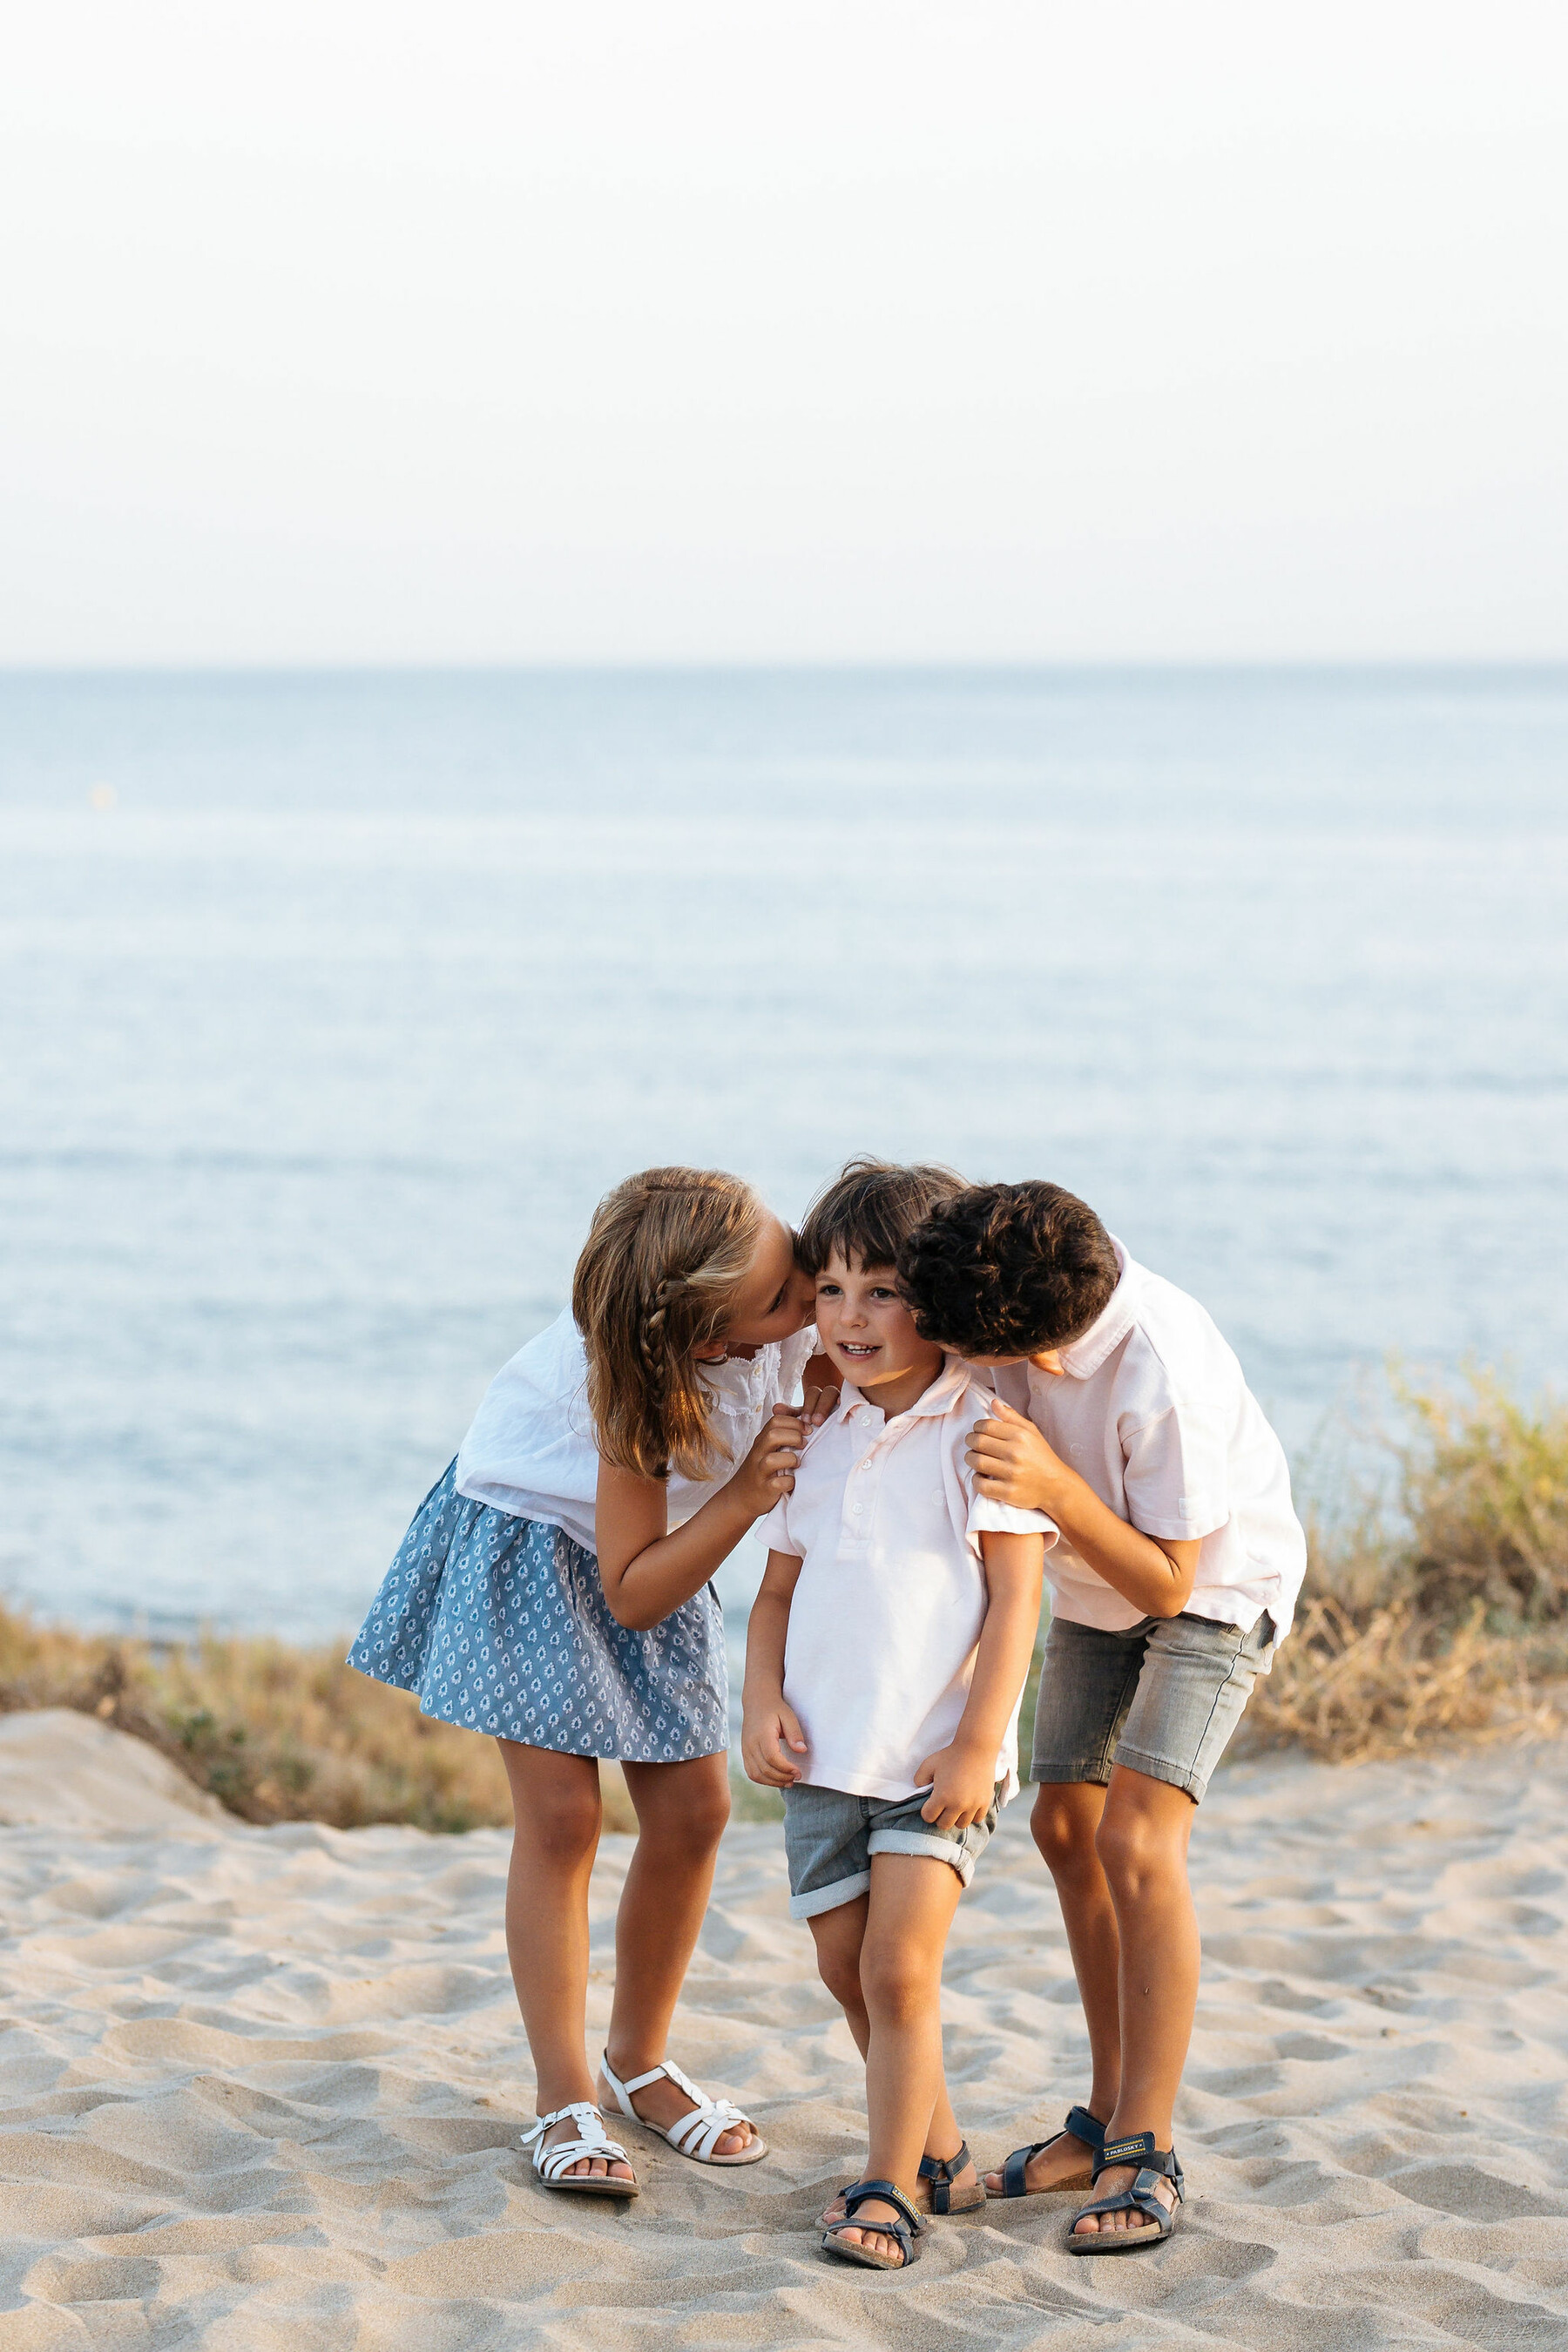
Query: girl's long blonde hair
pixel 663 1259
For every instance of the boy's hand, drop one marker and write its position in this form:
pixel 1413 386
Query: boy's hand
pixel 1011 1461
pixel 964 1785
pixel 768 1470
pixel 767 1734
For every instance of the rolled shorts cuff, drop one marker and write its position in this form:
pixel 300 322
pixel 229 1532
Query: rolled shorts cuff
pixel 817 1899
pixel 940 1849
pixel 1194 1784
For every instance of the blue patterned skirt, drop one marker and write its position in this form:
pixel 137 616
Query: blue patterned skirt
pixel 500 1624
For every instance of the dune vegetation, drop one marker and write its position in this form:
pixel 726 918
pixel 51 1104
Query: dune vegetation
pixel 1436 1605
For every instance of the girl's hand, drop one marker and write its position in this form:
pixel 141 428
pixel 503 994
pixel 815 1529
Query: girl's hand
pixel 766 1734
pixel 768 1470
pixel 964 1786
pixel 1011 1461
pixel 820 1405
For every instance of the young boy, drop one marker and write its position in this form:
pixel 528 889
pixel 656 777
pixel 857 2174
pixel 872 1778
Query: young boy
pixel 1124 1415
pixel 887 1654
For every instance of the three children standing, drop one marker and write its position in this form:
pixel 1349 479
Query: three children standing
pixel 993 1388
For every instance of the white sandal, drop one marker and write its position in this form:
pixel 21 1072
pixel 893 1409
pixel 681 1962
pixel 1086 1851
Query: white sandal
pixel 696 2135
pixel 551 2163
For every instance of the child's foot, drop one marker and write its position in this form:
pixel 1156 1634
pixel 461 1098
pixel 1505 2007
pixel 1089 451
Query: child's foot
pixel 963 2195
pixel 1064 2161
pixel 1114 2177
pixel 570 2129
pixel 664 2102
pixel 865 2233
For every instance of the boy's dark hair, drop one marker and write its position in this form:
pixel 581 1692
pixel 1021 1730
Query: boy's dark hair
pixel 870 1211
pixel 1007 1270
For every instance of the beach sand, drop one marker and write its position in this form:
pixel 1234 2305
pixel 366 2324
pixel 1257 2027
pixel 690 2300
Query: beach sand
pixel 262 2088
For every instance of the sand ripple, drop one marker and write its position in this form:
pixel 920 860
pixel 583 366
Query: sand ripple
pixel 263 2087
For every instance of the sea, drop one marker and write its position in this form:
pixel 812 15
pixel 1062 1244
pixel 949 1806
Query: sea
pixel 330 1004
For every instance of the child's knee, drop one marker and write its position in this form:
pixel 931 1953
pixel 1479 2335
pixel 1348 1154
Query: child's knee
pixel 1064 1830
pixel 562 1824
pixel 896 1983
pixel 1137 1851
pixel 840 1970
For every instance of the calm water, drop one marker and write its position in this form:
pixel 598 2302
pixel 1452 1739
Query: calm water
pixel 320 1041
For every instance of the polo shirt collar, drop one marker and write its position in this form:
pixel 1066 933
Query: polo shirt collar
pixel 1085 1354
pixel 939 1397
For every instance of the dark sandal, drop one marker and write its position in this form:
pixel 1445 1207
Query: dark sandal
pixel 1153 2165
pixel 1080 2125
pixel 939 2172
pixel 908 2231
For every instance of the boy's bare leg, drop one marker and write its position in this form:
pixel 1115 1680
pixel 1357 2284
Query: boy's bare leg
pixel 1142 1847
pixel 838 1935
pixel 908 1912
pixel 681 1811
pixel 1064 1822
pixel 555 1809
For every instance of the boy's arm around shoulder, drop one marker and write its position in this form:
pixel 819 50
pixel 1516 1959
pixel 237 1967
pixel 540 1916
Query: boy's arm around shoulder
pixel 1013 1463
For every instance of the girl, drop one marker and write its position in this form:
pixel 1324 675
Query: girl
pixel 554 1590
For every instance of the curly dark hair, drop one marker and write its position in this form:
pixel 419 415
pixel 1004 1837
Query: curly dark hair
pixel 1007 1270
pixel 870 1211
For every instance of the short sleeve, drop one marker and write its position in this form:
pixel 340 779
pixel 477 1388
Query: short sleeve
pixel 989 1518
pixel 775 1530
pixel 1176 1478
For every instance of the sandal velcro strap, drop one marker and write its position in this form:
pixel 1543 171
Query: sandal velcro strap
pixel 1086 2128
pixel 942 2171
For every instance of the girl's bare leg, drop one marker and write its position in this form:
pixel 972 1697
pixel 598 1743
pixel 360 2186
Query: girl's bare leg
pixel 838 1935
pixel 555 1814
pixel 681 1811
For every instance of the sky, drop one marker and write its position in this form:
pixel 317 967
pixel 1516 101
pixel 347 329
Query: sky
pixel 872 330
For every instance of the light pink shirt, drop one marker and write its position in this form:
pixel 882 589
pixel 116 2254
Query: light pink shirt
pixel 1151 1412
pixel 887 1614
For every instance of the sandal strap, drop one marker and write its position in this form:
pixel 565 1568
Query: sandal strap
pixel 592 2140
pixel 695 2135
pixel 1142 2196
pixel 857 2196
pixel 942 2171
pixel 1139 2149
pixel 1080 2125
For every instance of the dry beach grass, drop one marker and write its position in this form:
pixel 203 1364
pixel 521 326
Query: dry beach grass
pixel 1439 1610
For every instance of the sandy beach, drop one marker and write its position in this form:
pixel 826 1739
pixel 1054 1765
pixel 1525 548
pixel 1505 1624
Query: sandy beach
pixel 264 2086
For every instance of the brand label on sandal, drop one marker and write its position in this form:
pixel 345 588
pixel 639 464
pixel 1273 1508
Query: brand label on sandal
pixel 1124 2151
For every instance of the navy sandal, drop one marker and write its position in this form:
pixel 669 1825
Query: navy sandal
pixel 1080 2125
pixel 908 2227
pixel 939 2172
pixel 1153 2164
pixel 942 2171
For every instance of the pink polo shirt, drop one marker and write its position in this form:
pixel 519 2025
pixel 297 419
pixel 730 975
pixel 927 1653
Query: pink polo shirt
pixel 1152 1411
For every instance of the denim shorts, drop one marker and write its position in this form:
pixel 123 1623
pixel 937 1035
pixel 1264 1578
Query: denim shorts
pixel 830 1837
pixel 1162 1698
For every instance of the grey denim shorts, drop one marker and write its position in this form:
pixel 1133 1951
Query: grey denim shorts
pixel 1162 1698
pixel 830 1837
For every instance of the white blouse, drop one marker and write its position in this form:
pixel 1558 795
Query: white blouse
pixel 530 1450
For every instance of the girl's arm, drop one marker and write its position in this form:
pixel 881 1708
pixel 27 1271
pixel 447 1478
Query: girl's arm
pixel 964 1774
pixel 1013 1463
pixel 646 1571
pixel 768 1727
